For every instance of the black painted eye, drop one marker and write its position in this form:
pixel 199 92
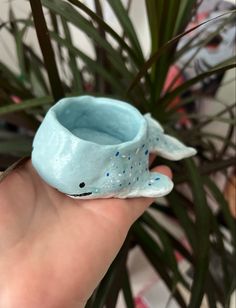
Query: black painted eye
pixel 82 184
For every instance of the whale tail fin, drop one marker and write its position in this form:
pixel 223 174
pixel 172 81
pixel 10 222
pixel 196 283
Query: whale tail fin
pixel 164 145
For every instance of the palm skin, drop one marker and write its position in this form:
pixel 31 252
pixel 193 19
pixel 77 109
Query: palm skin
pixel 54 249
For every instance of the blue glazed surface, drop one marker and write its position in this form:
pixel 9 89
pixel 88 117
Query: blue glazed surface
pixel 90 147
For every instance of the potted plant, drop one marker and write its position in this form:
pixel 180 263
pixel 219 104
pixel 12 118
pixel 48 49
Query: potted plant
pixel 120 69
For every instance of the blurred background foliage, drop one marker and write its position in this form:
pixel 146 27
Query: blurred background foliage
pixel 119 68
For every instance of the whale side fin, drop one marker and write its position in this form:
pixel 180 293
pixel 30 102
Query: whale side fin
pixel 164 145
pixel 154 185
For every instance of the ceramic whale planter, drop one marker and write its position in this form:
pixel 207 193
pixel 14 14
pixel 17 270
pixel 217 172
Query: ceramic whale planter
pixel 89 148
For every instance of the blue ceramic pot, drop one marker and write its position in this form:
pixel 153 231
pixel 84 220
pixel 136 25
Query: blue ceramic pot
pixel 90 147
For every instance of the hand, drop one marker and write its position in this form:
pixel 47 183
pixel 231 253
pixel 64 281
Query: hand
pixel 54 249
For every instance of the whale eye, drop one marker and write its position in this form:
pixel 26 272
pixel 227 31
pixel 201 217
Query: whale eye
pixel 82 184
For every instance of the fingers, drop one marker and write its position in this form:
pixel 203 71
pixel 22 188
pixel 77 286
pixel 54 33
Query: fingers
pixel 139 205
pixel 152 157
pixel 164 170
pixel 123 212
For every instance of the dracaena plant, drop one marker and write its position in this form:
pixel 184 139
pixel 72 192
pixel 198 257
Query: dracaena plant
pixel 120 69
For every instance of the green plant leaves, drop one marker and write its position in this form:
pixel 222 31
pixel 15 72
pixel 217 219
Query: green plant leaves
pixel 185 86
pixel 77 84
pixel 202 233
pixel 74 17
pixel 116 63
pixel 219 197
pixel 92 64
pixel 47 50
pixel 28 104
pixel 153 253
pixel 126 288
pixel 107 292
pixel 168 251
pixel 167 47
pixel 18 36
pixel 127 25
pixel 184 14
pixel 18 146
pixel 12 83
pixel 162 18
pixel 107 29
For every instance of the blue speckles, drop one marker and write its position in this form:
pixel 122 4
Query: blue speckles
pixel 127 169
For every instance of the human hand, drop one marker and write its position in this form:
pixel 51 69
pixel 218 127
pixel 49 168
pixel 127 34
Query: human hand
pixel 54 249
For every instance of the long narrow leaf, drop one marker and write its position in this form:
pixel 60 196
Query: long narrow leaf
pixel 219 197
pixel 200 44
pixel 161 66
pixel 125 21
pixel 18 35
pixel 209 168
pixel 185 86
pixel 93 66
pixel 168 250
pixel 126 288
pixel 177 206
pixel 13 83
pixel 47 50
pixel 111 283
pixel 39 84
pixel 72 15
pixel 35 102
pixel 217 115
pixel 22 119
pixel 77 77
pixel 202 226
pixel 100 84
pixel 154 57
pixel 152 252
pixel 210 293
pixel 107 29
pixel 20 146
pixel 184 14
pixel 57 48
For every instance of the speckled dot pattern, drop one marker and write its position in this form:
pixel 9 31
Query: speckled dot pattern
pixel 83 167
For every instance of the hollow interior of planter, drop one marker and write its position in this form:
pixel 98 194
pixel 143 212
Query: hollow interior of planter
pixel 99 122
